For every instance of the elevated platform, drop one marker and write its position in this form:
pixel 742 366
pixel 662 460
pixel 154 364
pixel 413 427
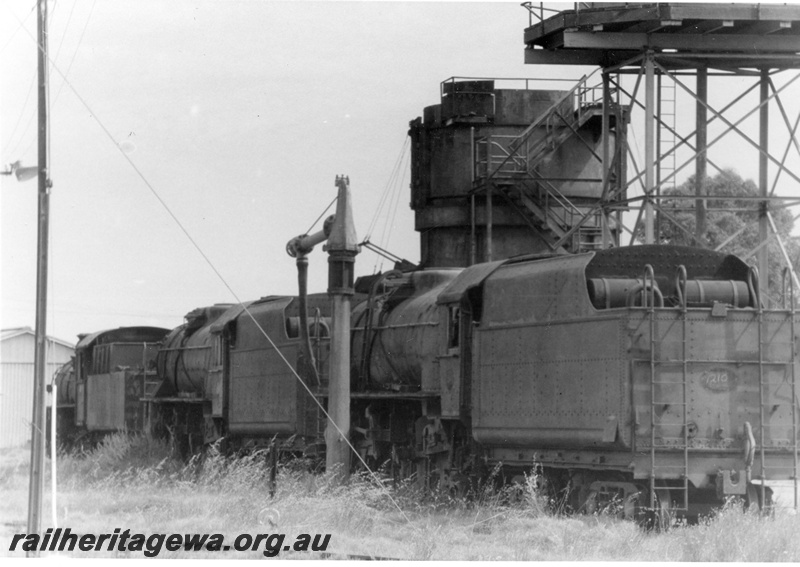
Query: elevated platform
pixel 691 34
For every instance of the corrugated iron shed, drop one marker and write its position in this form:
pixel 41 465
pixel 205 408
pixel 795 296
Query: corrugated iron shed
pixel 16 380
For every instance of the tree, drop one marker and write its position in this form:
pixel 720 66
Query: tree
pixel 727 217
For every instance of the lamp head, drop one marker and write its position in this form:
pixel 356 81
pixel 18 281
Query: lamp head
pixel 24 173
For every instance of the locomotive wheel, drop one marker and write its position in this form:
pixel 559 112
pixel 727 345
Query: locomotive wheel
pixel 584 500
pixel 455 484
pixel 591 502
pixel 661 516
pixel 450 482
pixel 753 501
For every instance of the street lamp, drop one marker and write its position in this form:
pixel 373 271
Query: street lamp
pixel 21 173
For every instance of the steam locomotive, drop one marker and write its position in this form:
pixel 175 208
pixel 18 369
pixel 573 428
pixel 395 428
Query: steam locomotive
pixel 648 377
pixel 644 374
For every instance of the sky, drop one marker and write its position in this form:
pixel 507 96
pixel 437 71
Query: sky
pixel 238 116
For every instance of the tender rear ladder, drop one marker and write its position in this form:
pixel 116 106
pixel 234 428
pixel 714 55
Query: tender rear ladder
pixel 765 465
pixel 657 486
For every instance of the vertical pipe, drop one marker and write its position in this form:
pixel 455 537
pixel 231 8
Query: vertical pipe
pixel 763 171
pixel 472 236
pixel 701 158
pixel 309 368
pixel 652 328
pixel 761 416
pixel 763 253
pixel 620 151
pixel 488 232
pixel 342 250
pixel 273 468
pixel 658 149
pixel 489 223
pixel 36 486
pixel 606 128
pixel 338 451
pixel 53 450
pixel 684 357
pixel 649 147
pixel 794 387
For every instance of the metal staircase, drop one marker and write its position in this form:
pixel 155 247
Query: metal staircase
pixel 509 166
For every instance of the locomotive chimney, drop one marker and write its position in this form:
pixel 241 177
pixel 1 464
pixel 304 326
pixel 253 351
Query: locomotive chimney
pixel 342 248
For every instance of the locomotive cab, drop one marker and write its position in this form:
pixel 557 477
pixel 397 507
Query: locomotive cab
pixel 111 370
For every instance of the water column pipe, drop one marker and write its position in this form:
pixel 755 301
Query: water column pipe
pixel 342 248
pixel 299 247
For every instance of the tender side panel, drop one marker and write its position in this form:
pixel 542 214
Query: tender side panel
pixel 552 385
pixel 105 405
pixel 262 392
pixel 548 371
pixel 262 387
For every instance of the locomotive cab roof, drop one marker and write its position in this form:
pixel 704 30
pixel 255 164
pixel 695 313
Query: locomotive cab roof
pixel 122 335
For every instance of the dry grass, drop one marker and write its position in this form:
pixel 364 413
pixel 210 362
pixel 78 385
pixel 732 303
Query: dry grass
pixel 135 483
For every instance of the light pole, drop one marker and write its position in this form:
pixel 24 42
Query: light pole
pixel 38 419
pixel 36 486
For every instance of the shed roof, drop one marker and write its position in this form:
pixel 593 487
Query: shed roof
pixel 10 333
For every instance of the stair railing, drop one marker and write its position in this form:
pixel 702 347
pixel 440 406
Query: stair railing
pixel 497 158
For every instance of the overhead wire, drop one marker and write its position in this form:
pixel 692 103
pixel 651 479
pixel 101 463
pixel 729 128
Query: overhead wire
pixel 323 214
pixel 387 196
pixel 69 68
pixel 30 87
pixel 19 27
pixel 31 116
pixel 387 189
pixel 16 146
pixel 379 207
pixel 398 193
pixel 391 212
pixel 66 27
pixel 77 47
pixel 222 279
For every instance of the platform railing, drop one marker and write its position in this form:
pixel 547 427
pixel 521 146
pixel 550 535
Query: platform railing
pixel 536 10
pixel 516 157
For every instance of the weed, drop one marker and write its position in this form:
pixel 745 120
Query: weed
pixel 138 483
